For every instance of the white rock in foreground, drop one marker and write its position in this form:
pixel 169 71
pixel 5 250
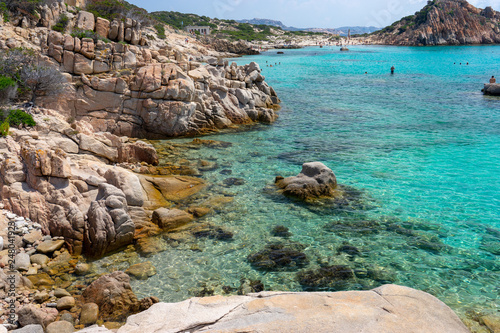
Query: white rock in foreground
pixel 387 309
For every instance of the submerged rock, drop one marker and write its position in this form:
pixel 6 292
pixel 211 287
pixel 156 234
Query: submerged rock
pixel 279 257
pixel 169 219
pixel 348 226
pixel 141 271
pixel 348 249
pixel 212 232
pixel 281 231
pixel 325 278
pixel 315 180
pixel 234 181
pixel 248 286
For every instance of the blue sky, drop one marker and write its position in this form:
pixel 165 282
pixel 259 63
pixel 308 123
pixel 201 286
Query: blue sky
pixel 303 13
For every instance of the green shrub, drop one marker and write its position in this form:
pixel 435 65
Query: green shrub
pixel 83 33
pixel 6 82
pixel 117 9
pixel 28 6
pixel 4 11
pixel 18 117
pixel 160 28
pixel 61 24
pixel 4 128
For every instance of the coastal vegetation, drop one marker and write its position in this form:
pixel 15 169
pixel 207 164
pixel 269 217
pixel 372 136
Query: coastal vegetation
pixel 116 9
pixel 229 29
pixel 20 65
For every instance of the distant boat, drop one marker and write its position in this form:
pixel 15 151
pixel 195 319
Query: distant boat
pixel 280 52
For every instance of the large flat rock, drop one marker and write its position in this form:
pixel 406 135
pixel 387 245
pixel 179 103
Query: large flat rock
pixel 387 309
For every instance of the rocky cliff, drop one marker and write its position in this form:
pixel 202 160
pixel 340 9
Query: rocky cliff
pixel 126 84
pixel 443 22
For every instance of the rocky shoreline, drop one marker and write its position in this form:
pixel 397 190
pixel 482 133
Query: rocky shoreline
pixel 80 185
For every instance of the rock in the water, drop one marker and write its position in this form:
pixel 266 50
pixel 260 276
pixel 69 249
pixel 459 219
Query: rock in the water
pixel 212 232
pixel 60 327
pixel 348 249
pixel 491 89
pixel 141 271
pixel 316 180
pixel 234 181
pixel 492 322
pixel 82 269
pixel 169 219
pixel 50 246
pixel 388 309
pixel 281 231
pixel 89 314
pixel 325 278
pixel 151 245
pixel 40 259
pixel 279 257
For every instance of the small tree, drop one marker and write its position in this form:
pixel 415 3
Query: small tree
pixel 42 81
pixel 21 66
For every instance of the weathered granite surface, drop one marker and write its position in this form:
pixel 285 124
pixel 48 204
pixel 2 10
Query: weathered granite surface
pixel 491 89
pixel 388 309
pixel 314 181
pixel 443 22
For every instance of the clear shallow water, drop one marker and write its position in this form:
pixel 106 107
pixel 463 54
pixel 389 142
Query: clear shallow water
pixel 422 145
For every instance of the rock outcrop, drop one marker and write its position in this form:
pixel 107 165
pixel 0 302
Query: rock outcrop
pixel 114 296
pixel 239 47
pixel 390 309
pixel 164 100
pixel 491 89
pixel 443 22
pixel 60 176
pixel 109 225
pixel 315 180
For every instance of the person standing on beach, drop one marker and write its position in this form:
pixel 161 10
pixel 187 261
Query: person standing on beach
pixel 493 80
pixel 392 69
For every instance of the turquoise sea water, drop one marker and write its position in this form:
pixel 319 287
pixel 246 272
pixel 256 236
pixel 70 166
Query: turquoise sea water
pixel 422 146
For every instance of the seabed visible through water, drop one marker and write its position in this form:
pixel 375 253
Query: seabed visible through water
pixel 419 149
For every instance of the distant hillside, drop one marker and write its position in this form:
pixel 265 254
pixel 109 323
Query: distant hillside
pixel 228 29
pixel 342 31
pixel 257 21
pixel 443 22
